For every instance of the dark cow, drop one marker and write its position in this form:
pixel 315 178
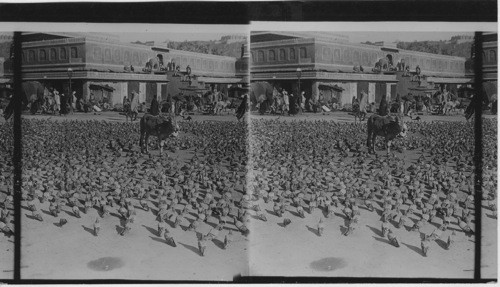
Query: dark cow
pixel 388 127
pixel 158 126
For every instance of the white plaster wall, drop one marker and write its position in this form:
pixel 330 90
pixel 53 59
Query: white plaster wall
pixel 158 91
pixel 371 93
pixel 142 92
pixel 388 92
pixel 350 91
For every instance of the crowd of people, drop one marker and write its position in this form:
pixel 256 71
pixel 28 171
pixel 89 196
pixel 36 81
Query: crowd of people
pixel 321 169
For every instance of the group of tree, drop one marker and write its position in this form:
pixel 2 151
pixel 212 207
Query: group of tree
pixel 209 47
pixel 451 47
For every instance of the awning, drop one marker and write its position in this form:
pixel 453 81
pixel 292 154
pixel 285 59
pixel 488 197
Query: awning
pixel 438 80
pixel 213 80
pixel 101 87
pixel 331 87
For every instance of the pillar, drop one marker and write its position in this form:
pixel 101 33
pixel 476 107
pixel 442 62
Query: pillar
pixel 315 91
pixel 142 92
pixel 388 92
pixel 371 93
pixel 158 92
pixel 86 90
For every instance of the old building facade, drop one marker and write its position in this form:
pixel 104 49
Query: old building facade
pixel 100 66
pixel 323 65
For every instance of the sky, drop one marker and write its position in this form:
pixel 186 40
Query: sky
pixel 382 31
pixel 178 37
pixel 136 32
pixel 357 37
pixel 357 31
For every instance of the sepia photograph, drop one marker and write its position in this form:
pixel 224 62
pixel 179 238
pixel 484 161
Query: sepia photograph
pixel 134 153
pixel 362 152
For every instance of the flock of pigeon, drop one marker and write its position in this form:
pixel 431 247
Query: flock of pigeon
pixel 305 168
pixel 294 168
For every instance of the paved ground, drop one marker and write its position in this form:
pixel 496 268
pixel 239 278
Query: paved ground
pixel 365 253
pixel 72 252
pixel 300 253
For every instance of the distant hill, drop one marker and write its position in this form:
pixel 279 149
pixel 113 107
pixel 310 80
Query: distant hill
pixel 451 47
pixel 209 47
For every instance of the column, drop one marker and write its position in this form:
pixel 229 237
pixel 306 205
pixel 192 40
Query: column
pixel 142 92
pixel 85 90
pixel 371 93
pixel 158 92
pixel 315 91
pixel 388 92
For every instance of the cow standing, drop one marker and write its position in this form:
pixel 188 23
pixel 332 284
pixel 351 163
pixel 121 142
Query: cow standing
pixel 158 126
pixel 387 127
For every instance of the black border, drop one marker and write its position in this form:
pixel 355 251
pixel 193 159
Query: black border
pixel 205 12
pixel 243 13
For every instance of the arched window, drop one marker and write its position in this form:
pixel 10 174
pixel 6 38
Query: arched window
pixel 62 54
pixel 261 57
pixel 346 57
pixel 282 55
pixel 336 55
pixel 292 54
pixel 355 57
pixel 135 58
pixel 117 55
pixel 364 58
pixel 53 54
pixel 74 52
pixel 43 55
pixel 31 56
pixel 272 55
pixel 107 55
pixel 97 53
pixel 303 53
pixel 493 56
pixel 126 57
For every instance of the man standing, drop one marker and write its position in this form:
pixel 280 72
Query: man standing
pixel 382 110
pixel 292 100
pixel 71 96
pixel 64 101
pixel 154 109
pixel 57 101
pixel 286 101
